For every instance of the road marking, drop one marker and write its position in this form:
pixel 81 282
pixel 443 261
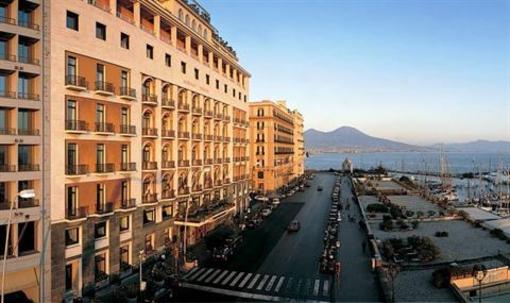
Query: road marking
pixel 223 273
pixel 271 282
pixel 243 282
pixel 261 284
pixel 252 283
pixel 209 279
pixel 279 284
pixel 236 279
pixel 316 287
pixel 298 287
pixel 325 288
pixel 204 275
pixel 288 287
pixel 307 287
pixel 228 278
pixel 201 270
pixel 191 272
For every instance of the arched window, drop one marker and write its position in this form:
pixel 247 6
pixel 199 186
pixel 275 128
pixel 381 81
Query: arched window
pixel 200 29
pixel 193 24
pixel 205 33
pixel 180 14
pixel 146 153
pixel 187 20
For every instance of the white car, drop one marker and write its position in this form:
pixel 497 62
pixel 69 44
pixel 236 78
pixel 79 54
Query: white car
pixel 266 212
pixel 276 201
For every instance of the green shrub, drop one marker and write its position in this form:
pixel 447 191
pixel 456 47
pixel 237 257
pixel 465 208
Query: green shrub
pixel 377 208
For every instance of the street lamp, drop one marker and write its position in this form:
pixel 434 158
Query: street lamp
pixel 479 273
pixel 24 194
pixel 392 272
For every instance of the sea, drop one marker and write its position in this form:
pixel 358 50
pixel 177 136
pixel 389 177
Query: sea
pixel 457 162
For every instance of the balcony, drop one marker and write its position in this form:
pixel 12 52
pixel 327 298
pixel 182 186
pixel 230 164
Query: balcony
pixel 167 103
pixel 78 83
pixel 5 205
pixel 104 208
pixel 168 133
pixel 105 168
pixel 149 165
pixel 226 160
pixel 28 96
pixel 226 118
pixel 168 194
pixel 183 107
pixel 196 162
pixel 28 132
pixel 129 130
pixel 101 4
pixel 8 131
pixel 209 137
pixel 76 126
pixel 183 191
pixel 196 111
pixel 77 213
pixel 7 94
pixel 226 139
pixel 128 204
pixel 218 161
pixel 150 99
pixel 28 167
pixel 183 163
pixel 184 135
pixel 76 170
pixel 7 20
pixel 27 203
pixel 218 116
pixel 150 198
pixel 218 138
pixel 208 114
pixel 196 188
pixel 149 132
pixel 217 183
pixel 209 161
pixel 127 93
pixel 226 181
pixel 104 88
pixel 28 60
pixel 208 184
pixel 168 164
pixel 128 166
pixel 196 136
pixel 5 168
pixel 104 128
pixel 29 24
pixel 205 213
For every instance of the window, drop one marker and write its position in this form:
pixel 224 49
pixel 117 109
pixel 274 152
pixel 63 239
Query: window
pixel 100 267
pixel 149 51
pixel 71 203
pixel 72 21
pixel 245 98
pixel 167 212
pixel 148 216
pixel 100 230
pixel 100 31
pixel 168 60
pixel 207 80
pixel 196 73
pixel 71 67
pixel 124 257
pixel 124 79
pixel 69 276
pixel 148 243
pixel 183 67
pixel 100 73
pixel 260 175
pixel 225 88
pixel 124 40
pixel 124 223
pixel 239 95
pixel 72 236
pixel 233 93
pixel 260 112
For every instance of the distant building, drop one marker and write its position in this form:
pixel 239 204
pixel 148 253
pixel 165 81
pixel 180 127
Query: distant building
pixel 347 165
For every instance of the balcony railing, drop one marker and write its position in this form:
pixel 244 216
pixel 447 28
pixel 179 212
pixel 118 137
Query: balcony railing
pixel 206 211
pixel 183 135
pixel 153 132
pixel 5 205
pixel 226 118
pixel 28 60
pixel 104 208
pixel 183 163
pixel 183 107
pixel 168 194
pixel 208 114
pixel 196 188
pixel 7 94
pixel 127 92
pixel 150 198
pixel 226 181
pixel 77 213
pixel 8 131
pixel 103 127
pixel 183 191
pixel 77 125
pixel 128 203
pixel 28 96
pixel 217 182
pixel 226 160
pixel 196 111
pixel 149 165
pixel 5 168
pixel 77 81
pixel 28 167
pixel 105 167
pixel 168 164
pixel 150 99
pixel 209 137
pixel 226 139
pixel 7 20
pixel 29 24
pixel 218 161
pixel 218 116
pixel 128 166
pixel 127 129
pixel 27 203
pixel 105 87
pixel 196 136
pixel 168 133
pixel 197 162
pixel 28 132
pixel 8 57
pixel 209 161
pixel 80 169
pixel 167 102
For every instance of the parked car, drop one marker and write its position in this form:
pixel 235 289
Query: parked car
pixel 276 201
pixel 265 212
pixel 307 184
pixel 294 226
pixel 319 188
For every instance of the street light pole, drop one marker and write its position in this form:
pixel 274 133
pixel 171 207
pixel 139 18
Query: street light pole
pixel 479 273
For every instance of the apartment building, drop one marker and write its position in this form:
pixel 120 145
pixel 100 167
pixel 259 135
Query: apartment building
pixel 276 139
pixel 22 224
pixel 147 114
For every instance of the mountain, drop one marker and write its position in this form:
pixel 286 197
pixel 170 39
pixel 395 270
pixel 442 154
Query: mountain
pixel 349 138
pixel 477 146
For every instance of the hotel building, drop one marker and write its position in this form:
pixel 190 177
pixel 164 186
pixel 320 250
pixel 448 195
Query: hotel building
pixel 145 136
pixel 276 145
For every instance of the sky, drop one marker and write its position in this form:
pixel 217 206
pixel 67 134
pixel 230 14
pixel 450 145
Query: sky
pixel 420 72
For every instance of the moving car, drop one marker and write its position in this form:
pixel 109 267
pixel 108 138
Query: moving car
pixel 265 212
pixel 293 226
pixel 319 188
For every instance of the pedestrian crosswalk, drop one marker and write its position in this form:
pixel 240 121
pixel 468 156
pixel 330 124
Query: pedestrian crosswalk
pixel 313 288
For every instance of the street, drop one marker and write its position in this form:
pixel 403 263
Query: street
pixel 272 263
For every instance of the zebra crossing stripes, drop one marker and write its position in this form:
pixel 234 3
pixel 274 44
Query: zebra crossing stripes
pixel 205 274
pixel 245 280
pixel 197 273
pixel 209 279
pixel 271 282
pixel 279 284
pixel 191 272
pixel 261 284
pixel 325 288
pixel 234 282
pixel 220 276
pixel 228 278
pixel 252 283
pixel 316 287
